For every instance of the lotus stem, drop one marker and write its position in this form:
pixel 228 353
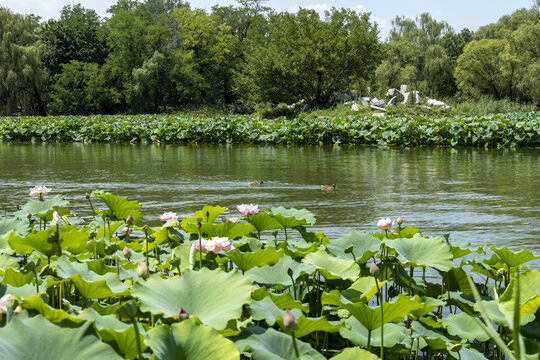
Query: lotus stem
pixel 369 340
pixel 137 337
pixel 200 244
pixel 379 294
pixel 295 346
pixel 516 339
pixel 117 264
pixel 37 282
pixel 146 241
pixel 91 205
pixel 411 273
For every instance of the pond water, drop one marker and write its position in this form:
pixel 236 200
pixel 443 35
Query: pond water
pixel 482 196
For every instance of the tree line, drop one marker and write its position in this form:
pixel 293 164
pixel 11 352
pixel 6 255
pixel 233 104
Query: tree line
pixel 155 56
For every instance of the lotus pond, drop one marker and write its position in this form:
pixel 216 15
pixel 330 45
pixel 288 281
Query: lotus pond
pixel 257 285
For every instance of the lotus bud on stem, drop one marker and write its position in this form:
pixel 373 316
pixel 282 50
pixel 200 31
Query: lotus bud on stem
pixel 290 273
pixel 142 270
pixel 87 195
pixel 290 324
pixel 127 252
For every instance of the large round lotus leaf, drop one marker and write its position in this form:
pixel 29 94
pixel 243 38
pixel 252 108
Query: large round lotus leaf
pixel 289 218
pixel 511 258
pixel 38 339
pixel 466 353
pixel 270 344
pixel 277 274
pixel 357 333
pixel 263 221
pixel 355 354
pixel 423 251
pixel 465 327
pixel 434 338
pixel 190 341
pixel 120 207
pixel 267 310
pixel 214 296
pixel 22 226
pixel 364 246
pixel 529 295
pixel 8 262
pixel 206 215
pixel 460 249
pixel 332 267
pixel 42 207
pixel 249 259
pixel 57 316
pixel 227 229
pixel 308 325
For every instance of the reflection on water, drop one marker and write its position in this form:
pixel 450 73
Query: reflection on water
pixel 477 195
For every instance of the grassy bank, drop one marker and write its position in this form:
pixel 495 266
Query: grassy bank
pixel 499 130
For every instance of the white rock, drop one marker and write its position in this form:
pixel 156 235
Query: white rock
pixel 378 114
pixel 355 107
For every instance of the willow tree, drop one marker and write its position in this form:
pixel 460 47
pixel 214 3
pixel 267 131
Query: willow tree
pixel 22 79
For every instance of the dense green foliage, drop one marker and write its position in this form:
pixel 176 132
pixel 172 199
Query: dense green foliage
pixel 502 130
pixel 155 56
pixel 265 286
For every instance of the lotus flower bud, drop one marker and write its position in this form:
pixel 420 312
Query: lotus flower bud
pixel 199 224
pixel 290 272
pixel 28 214
pixel 399 220
pixel 127 252
pixel 373 269
pixel 56 218
pixel 129 220
pixel 142 270
pixel 87 196
pixel 289 321
pixel 182 315
pixel 385 224
pixel 126 230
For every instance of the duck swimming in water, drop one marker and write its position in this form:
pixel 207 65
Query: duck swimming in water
pixel 255 184
pixel 328 187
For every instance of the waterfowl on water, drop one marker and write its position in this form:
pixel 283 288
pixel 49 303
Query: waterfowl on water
pixel 328 187
pixel 253 184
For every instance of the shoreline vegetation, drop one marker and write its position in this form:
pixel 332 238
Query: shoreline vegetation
pixel 509 130
pixel 112 287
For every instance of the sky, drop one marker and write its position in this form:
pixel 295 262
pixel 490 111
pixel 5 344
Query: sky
pixel 457 13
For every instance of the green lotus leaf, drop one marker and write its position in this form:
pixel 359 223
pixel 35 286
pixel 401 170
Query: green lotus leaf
pixel 494 313
pixel 43 208
pixel 467 354
pixel 107 230
pixel 189 340
pixel 298 248
pixel 17 278
pixel 207 215
pixel 90 284
pixel 465 326
pixel 36 338
pixel 460 249
pixel 529 297
pixel 227 229
pixel 196 292
pixel 119 207
pixel 21 226
pixel 71 239
pixel 355 354
pixel 423 251
pixel 4 245
pixel 395 311
pixel 183 252
pixel 358 334
pixel 308 325
pixel 429 304
pixel 263 221
pixel 334 297
pixel 57 316
pixel 332 267
pixel 289 218
pixel 456 280
pixel 20 292
pixel 277 274
pixel 270 344
pixel 112 330
pixel 267 310
pixel 432 337
pixel 511 258
pixel 8 262
pixel 285 301
pixel 261 257
pixel 362 289
pixel 364 246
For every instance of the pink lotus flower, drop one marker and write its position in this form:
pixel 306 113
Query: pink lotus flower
pixel 127 252
pixel 289 321
pixel 374 269
pixel 4 303
pixel 39 191
pixel 365 117
pixel 386 224
pixel 127 230
pixel 248 209
pixel 166 216
pixel 351 119
pixel 216 245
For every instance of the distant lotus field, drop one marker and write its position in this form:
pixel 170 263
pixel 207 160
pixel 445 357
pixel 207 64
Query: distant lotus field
pixel 497 130
pixel 252 283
